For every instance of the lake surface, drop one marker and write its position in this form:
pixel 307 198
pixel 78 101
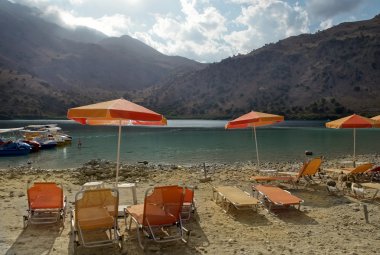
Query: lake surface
pixel 195 141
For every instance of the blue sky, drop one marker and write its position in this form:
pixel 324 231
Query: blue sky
pixel 205 30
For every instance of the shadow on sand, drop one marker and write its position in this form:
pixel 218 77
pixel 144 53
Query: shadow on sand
pixel 130 244
pixel 46 234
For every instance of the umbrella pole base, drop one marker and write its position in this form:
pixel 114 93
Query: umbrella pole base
pixel 205 179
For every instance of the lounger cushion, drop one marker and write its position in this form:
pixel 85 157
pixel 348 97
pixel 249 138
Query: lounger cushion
pixel 94 218
pixel 236 196
pixel 277 195
pixel 155 215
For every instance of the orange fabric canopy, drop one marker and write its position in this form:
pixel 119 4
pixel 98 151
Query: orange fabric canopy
pixel 376 118
pixel 96 122
pixel 353 121
pixel 254 119
pixel 119 109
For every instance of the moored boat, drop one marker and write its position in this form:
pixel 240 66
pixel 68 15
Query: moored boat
pixel 45 143
pixel 10 148
pixel 36 146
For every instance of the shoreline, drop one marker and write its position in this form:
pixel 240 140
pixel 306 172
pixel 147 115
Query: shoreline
pixel 283 165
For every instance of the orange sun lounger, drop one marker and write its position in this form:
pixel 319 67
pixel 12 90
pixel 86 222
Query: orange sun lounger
pixel 95 215
pixel 308 169
pixel 275 197
pixel 159 218
pixel 46 204
pixel 351 171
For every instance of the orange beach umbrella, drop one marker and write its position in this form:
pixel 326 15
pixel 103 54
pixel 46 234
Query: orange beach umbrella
pixel 253 120
pixel 353 121
pixel 119 112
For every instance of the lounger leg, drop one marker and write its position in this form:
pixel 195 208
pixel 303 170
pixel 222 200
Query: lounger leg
pixel 138 235
pixel 374 196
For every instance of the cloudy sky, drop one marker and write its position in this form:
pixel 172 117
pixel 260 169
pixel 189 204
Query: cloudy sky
pixel 206 30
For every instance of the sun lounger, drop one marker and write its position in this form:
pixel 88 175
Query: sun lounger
pixel 308 169
pixel 229 195
pixel 94 219
pixel 188 206
pixel 275 197
pixel 159 215
pixel 46 204
pixel 372 185
pixel 350 172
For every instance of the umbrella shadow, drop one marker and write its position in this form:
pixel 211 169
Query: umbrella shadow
pixel 25 242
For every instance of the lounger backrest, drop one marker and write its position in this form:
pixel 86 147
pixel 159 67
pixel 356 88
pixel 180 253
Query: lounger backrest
pixel 104 198
pixel 167 199
pixel 362 168
pixel 312 167
pixel 41 190
pixel 302 170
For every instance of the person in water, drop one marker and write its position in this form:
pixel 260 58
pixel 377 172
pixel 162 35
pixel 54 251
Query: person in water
pixel 79 143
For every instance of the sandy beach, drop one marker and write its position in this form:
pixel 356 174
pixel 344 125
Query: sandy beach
pixel 326 224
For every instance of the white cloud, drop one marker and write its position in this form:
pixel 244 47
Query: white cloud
pixel 198 31
pixel 115 25
pixel 326 24
pixel 267 21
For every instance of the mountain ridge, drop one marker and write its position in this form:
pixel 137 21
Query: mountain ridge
pixel 46 69
pixel 300 77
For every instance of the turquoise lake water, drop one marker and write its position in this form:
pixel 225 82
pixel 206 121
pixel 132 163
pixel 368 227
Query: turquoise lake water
pixel 196 141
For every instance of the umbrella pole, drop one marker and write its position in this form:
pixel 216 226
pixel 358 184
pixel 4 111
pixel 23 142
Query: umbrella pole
pixel 118 154
pixel 354 161
pixel 257 151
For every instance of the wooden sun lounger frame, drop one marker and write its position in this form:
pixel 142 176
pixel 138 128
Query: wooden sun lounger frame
pixel 272 203
pixel 240 200
pixel 45 215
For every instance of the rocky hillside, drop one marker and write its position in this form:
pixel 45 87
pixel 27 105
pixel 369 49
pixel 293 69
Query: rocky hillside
pixel 76 66
pixel 46 69
pixel 327 74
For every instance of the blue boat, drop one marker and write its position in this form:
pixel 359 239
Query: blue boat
pixel 10 148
